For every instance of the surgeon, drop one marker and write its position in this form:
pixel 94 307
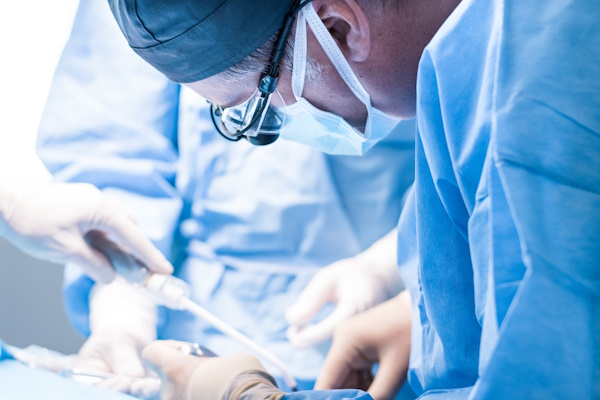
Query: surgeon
pixel 51 221
pixel 247 227
pixel 499 241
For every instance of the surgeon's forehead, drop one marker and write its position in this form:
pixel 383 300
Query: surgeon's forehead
pixel 225 94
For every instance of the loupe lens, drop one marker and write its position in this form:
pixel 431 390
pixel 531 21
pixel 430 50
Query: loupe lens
pixel 272 119
pixel 239 118
pixel 253 117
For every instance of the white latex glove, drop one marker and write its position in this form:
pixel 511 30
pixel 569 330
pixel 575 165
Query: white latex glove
pixel 122 322
pixel 353 284
pixel 51 221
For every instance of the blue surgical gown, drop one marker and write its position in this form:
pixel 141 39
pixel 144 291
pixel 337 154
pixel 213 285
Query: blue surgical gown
pixel 504 223
pixel 4 352
pixel 507 192
pixel 247 227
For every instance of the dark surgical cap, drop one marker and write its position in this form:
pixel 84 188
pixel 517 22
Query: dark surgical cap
pixel 190 40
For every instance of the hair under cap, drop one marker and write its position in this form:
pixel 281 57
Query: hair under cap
pixel 190 40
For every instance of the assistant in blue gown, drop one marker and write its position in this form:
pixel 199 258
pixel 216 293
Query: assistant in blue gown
pixel 247 227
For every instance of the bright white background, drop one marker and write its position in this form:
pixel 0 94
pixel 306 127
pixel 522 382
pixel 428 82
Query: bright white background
pixel 33 34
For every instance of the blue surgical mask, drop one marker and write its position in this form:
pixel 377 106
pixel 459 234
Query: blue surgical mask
pixel 323 130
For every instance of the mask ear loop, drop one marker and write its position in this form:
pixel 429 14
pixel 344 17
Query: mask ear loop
pixel 335 55
pixel 339 62
pixel 300 54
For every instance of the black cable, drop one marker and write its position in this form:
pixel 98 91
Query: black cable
pixel 273 69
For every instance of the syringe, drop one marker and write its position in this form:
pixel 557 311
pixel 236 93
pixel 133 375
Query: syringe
pixel 174 293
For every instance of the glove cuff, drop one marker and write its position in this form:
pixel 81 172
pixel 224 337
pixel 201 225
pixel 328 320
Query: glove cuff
pixel 231 377
pixel 254 385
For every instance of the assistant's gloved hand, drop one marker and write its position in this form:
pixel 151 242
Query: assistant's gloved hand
pixel 122 322
pixel 186 377
pixel 353 284
pixel 50 221
pixel 379 335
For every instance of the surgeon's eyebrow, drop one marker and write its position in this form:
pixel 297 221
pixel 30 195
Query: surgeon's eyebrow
pixel 212 95
pixel 238 100
pixel 226 101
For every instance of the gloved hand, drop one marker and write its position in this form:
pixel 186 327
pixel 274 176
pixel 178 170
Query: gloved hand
pixel 51 221
pixel 354 284
pixel 379 335
pixel 186 377
pixel 122 322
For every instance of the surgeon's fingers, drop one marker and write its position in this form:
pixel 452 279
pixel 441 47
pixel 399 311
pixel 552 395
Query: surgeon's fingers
pixel 308 335
pixel 117 383
pixel 166 358
pixel 345 365
pixel 389 378
pixel 125 232
pixel 124 359
pixel 334 373
pixel 315 295
pixel 89 363
pixel 160 352
pixel 145 388
pixel 95 264
pixel 174 367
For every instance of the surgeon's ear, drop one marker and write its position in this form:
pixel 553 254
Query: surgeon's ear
pixel 348 25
